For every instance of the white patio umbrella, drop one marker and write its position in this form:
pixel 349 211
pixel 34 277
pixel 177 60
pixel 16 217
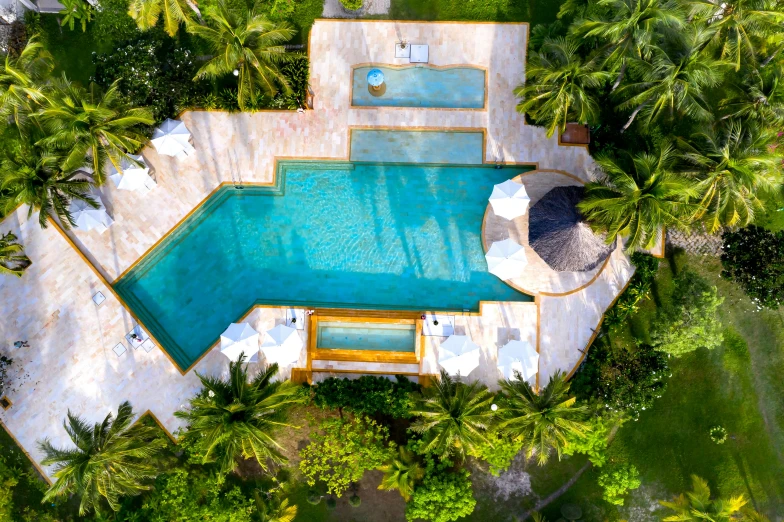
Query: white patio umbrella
pixel 88 218
pixel 282 345
pixel 506 259
pixel 171 139
pixel 132 176
pixel 509 199
pixel 239 338
pixel 518 356
pixel 458 355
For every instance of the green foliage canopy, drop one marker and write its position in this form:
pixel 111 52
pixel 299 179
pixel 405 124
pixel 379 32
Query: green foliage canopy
pixel 368 395
pixel 754 258
pixel 342 450
pixel 693 321
pixel 617 481
pixel 443 495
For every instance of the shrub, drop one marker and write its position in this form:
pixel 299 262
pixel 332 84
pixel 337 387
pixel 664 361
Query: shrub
pixel 499 452
pixel 192 494
pixel 367 395
pixel 639 288
pixel 718 434
pixel 618 481
pixel 622 379
pixel 314 497
pixel 5 363
pixel 753 257
pixel 354 500
pixel 112 24
pixel 153 72
pixel 693 321
pixel 593 442
pixel 17 37
pixel 352 5
pixel 332 503
pixel 342 450
pixel 443 495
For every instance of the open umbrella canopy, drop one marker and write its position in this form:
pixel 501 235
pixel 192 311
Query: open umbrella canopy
pixel 375 77
pixel 518 356
pixel 560 235
pixel 239 338
pixel 509 199
pixel 458 355
pixel 506 259
pixel 132 176
pixel 171 139
pixel 282 345
pixel 88 218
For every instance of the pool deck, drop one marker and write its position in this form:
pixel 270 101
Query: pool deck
pixel 70 362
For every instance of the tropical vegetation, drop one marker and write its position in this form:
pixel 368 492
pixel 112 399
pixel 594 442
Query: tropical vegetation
pixel 238 417
pixel 543 421
pixel 111 459
pixel 453 417
pixel 12 260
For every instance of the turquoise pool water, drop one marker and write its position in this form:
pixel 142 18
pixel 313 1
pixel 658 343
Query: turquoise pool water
pixel 422 86
pixel 397 146
pixel 330 234
pixel 366 336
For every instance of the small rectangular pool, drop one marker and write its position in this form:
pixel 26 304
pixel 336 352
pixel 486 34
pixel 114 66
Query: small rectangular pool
pixel 340 335
pixel 421 86
pixel 417 146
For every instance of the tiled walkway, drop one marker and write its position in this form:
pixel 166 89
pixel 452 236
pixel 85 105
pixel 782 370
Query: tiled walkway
pixel 70 362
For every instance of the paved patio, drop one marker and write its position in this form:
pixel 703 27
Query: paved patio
pixel 70 362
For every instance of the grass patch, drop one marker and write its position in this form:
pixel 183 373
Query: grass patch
pixel 737 386
pixel 532 11
pixel 72 50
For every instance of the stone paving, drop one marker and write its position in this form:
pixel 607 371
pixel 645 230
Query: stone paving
pixel 70 362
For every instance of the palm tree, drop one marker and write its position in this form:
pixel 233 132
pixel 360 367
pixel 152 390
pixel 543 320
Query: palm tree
pixel 542 421
pixel 674 81
pixel 402 473
pixel 629 27
pixel 22 80
pixel 248 43
pixel 453 417
pixel 111 459
pixel 147 12
pixel 12 261
pixel 638 197
pixel 738 27
pixel 93 124
pixel 735 166
pixel 42 178
pixel 697 505
pixel 759 98
pixel 238 417
pixel 274 505
pixel 558 84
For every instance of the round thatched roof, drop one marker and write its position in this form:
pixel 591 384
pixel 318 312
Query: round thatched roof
pixel 561 236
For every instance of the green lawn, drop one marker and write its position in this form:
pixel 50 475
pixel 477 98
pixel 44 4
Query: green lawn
pixel 72 50
pixel 738 386
pixel 532 11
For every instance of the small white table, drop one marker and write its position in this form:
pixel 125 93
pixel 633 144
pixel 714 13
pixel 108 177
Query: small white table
pixel 419 54
pixel 137 337
pixel 438 325
pixel 295 318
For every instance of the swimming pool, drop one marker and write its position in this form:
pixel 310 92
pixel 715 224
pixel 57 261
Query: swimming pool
pixel 422 86
pixel 328 234
pixel 340 335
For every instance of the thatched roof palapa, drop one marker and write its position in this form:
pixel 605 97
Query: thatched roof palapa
pixel 559 233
